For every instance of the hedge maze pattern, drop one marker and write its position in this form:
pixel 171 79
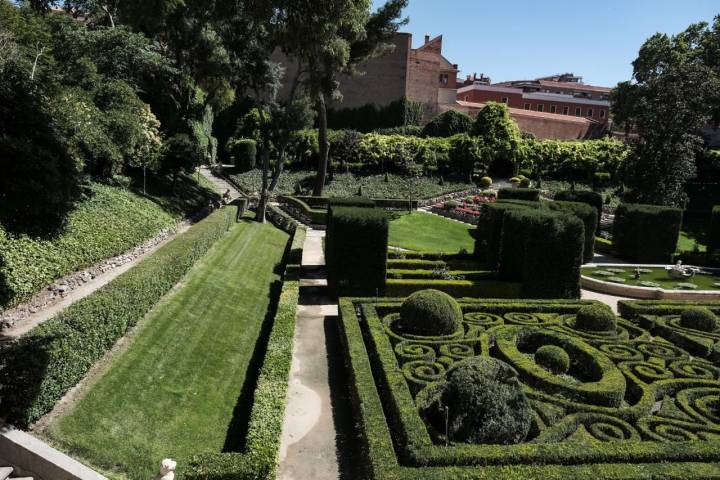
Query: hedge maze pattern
pixel 629 395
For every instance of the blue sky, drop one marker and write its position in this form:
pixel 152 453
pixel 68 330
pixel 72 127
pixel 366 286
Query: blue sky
pixel 510 40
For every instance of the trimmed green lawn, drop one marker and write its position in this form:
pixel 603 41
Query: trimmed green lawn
pixel 657 276
pixel 425 232
pixel 173 391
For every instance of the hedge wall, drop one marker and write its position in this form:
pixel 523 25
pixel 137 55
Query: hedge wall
pixel 260 459
pixel 528 194
pixel 593 199
pixel 544 251
pixel 588 215
pixel 351 202
pixel 714 237
pixel 53 357
pixel 356 245
pixel 489 229
pixel 646 233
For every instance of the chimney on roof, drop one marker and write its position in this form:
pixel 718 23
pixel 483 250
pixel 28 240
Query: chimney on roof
pixel 427 39
pixel 455 66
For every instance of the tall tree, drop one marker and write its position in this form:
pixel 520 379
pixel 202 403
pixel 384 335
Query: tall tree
pixel 674 94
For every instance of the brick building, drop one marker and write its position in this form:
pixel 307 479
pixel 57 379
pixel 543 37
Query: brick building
pixel 560 94
pixel 420 74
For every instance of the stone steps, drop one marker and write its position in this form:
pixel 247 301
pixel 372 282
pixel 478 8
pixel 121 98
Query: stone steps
pixel 6 472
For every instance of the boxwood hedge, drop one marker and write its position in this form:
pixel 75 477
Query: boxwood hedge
pixel 588 215
pixel 593 199
pixel 529 194
pixel 714 237
pixel 646 233
pixel 45 363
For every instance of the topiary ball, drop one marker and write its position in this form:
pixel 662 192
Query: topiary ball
pixel 430 313
pixel 486 182
pixel 553 359
pixel 596 318
pixel 698 318
pixel 485 401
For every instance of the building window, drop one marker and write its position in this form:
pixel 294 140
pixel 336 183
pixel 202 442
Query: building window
pixel 553 109
pixel 467 98
pixel 566 110
pixel 590 112
pixel 504 100
pixel 540 107
pixel 527 106
pixel 444 78
pixel 602 113
pixel 578 111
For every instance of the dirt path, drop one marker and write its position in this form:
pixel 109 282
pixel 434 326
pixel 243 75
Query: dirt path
pixel 308 446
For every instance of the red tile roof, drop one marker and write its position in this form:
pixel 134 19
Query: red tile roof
pixel 532 113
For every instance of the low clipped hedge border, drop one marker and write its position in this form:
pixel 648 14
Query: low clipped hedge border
pixel 379 437
pixel 314 216
pixel 456 288
pixel 260 458
pixel 631 309
pixel 646 233
pixel 528 194
pixel 41 366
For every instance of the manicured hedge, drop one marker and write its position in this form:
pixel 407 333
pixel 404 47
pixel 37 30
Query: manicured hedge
pixel 356 250
pixel 45 363
pixel 529 194
pixel 456 288
pixel 351 202
pixel 714 237
pixel 646 233
pixel 261 455
pixel 543 250
pixel 489 230
pixel 588 215
pixel 314 216
pixel 630 309
pixel 593 199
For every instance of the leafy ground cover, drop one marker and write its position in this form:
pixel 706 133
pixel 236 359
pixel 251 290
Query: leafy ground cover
pixel 348 184
pixel 630 404
pixel 173 392
pixel 424 232
pixel 108 221
pixel 652 277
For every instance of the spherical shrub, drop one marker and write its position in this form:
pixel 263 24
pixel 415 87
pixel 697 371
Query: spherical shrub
pixel 553 358
pixel 596 318
pixel 485 401
pixel 430 312
pixel 524 183
pixel 699 318
pixel 485 182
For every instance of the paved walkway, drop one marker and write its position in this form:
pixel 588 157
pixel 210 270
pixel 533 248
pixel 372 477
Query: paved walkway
pixel 308 446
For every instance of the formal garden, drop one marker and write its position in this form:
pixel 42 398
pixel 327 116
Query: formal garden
pixel 199 271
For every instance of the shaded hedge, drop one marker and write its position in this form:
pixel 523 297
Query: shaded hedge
pixel 588 215
pixel 489 230
pixel 714 237
pixel 529 194
pixel 41 366
pixel 356 245
pixel 646 233
pixel 593 199
pixel 543 250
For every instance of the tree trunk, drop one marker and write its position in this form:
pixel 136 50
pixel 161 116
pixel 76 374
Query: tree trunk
pixel 324 147
pixel 174 182
pixel 264 193
pixel 278 171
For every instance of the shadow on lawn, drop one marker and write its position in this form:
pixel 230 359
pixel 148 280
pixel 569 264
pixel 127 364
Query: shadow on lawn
pixel 236 436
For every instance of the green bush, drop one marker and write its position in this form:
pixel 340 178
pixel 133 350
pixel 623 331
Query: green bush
pixel 543 250
pixel 529 194
pixel 242 152
pixel 699 318
pixel 714 236
pixel 588 215
pixel 485 401
pixel 596 318
pixel 351 202
pixel 646 233
pixel 356 250
pixel 489 230
pixel 430 313
pixel 370 117
pixel 593 199
pixel 553 359
pixel 448 124
pixel 485 182
pixel 45 363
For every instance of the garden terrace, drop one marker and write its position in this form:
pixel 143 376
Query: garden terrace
pixel 631 405
pixel 422 232
pixel 650 282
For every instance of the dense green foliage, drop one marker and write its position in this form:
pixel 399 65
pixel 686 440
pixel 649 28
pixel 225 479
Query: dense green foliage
pixel 209 363
pixel 544 251
pixel 489 230
pixel 397 114
pixel 699 318
pixel 44 364
pixel 714 234
pixel 593 199
pixel 485 401
pixel 448 124
pixel 242 153
pixel 528 194
pixel 106 222
pixel 588 215
pixel 498 135
pixel 356 250
pixel 430 313
pixel 596 318
pixel 553 358
pixel 646 233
